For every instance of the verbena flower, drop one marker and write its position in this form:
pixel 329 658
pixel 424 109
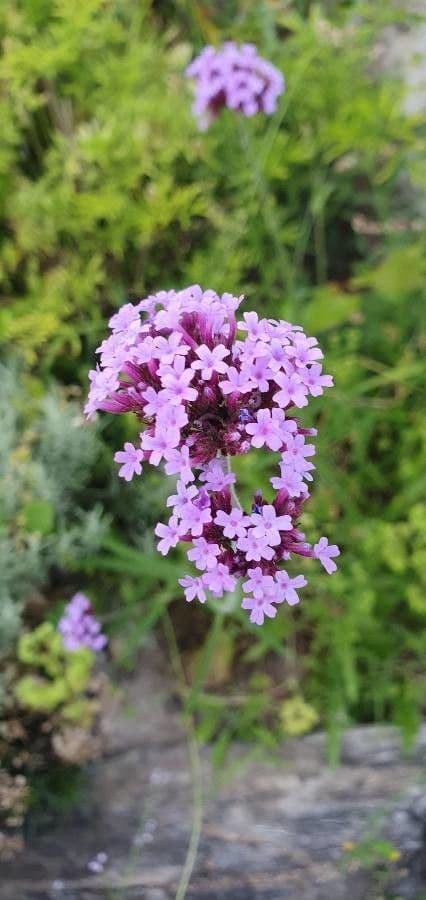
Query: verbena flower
pixel 130 459
pixel 79 627
pixel 207 388
pixel 236 77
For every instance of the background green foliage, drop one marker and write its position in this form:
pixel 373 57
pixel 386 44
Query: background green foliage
pixel 107 190
pixel 49 517
pixel 56 679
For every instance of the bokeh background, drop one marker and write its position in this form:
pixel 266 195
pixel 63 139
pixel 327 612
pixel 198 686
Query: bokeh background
pixel 108 191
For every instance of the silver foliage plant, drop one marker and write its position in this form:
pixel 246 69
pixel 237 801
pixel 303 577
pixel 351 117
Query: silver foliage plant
pixel 47 457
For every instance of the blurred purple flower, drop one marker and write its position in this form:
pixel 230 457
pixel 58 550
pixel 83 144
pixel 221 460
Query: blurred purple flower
pixel 236 77
pixel 79 627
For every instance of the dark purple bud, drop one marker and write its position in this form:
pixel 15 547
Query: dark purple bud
pixel 132 371
pixel 281 502
pixel 120 403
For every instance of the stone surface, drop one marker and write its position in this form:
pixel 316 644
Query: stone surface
pixel 271 829
pixel 402 50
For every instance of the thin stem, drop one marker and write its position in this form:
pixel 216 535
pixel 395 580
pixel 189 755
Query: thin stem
pixel 202 669
pixel 195 762
pixel 267 208
pixel 320 249
pixel 266 147
pixel 234 494
pixel 197 820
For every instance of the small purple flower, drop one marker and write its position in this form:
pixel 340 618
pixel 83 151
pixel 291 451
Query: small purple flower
pixel 314 380
pixel 236 383
pixel 203 499
pixel 258 583
pixel 296 452
pixel 278 355
pixel 288 586
pixel 193 587
pixel 203 554
pixel 103 383
pixel 176 380
pixel 292 390
pixel 156 401
pixel 265 431
pixel 159 443
pixel 178 463
pixel 166 349
pixel 215 476
pixel 185 493
pixel 143 352
pixel 232 523
pixel 257 329
pixel 219 580
pixel 210 361
pixel 304 350
pixel 124 318
pixel 173 417
pixel 194 518
pixel 130 458
pixel 290 481
pixel 260 607
pixel 255 548
pixel 170 535
pixel 260 373
pixel 79 627
pixel 324 552
pixel 267 525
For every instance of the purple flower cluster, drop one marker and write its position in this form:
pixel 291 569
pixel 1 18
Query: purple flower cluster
pixel 78 626
pixel 209 388
pixel 236 77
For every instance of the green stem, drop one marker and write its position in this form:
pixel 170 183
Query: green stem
pixel 195 763
pixel 320 249
pixel 203 667
pixel 197 819
pixel 266 206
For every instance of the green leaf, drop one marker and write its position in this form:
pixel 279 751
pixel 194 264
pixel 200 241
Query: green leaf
pixel 330 307
pixel 401 272
pixel 39 516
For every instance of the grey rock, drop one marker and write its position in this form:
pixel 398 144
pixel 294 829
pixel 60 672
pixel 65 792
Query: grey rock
pixel 270 830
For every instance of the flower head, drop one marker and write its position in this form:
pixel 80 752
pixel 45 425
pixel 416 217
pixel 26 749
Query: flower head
pixel 236 77
pixel 79 627
pixel 204 388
